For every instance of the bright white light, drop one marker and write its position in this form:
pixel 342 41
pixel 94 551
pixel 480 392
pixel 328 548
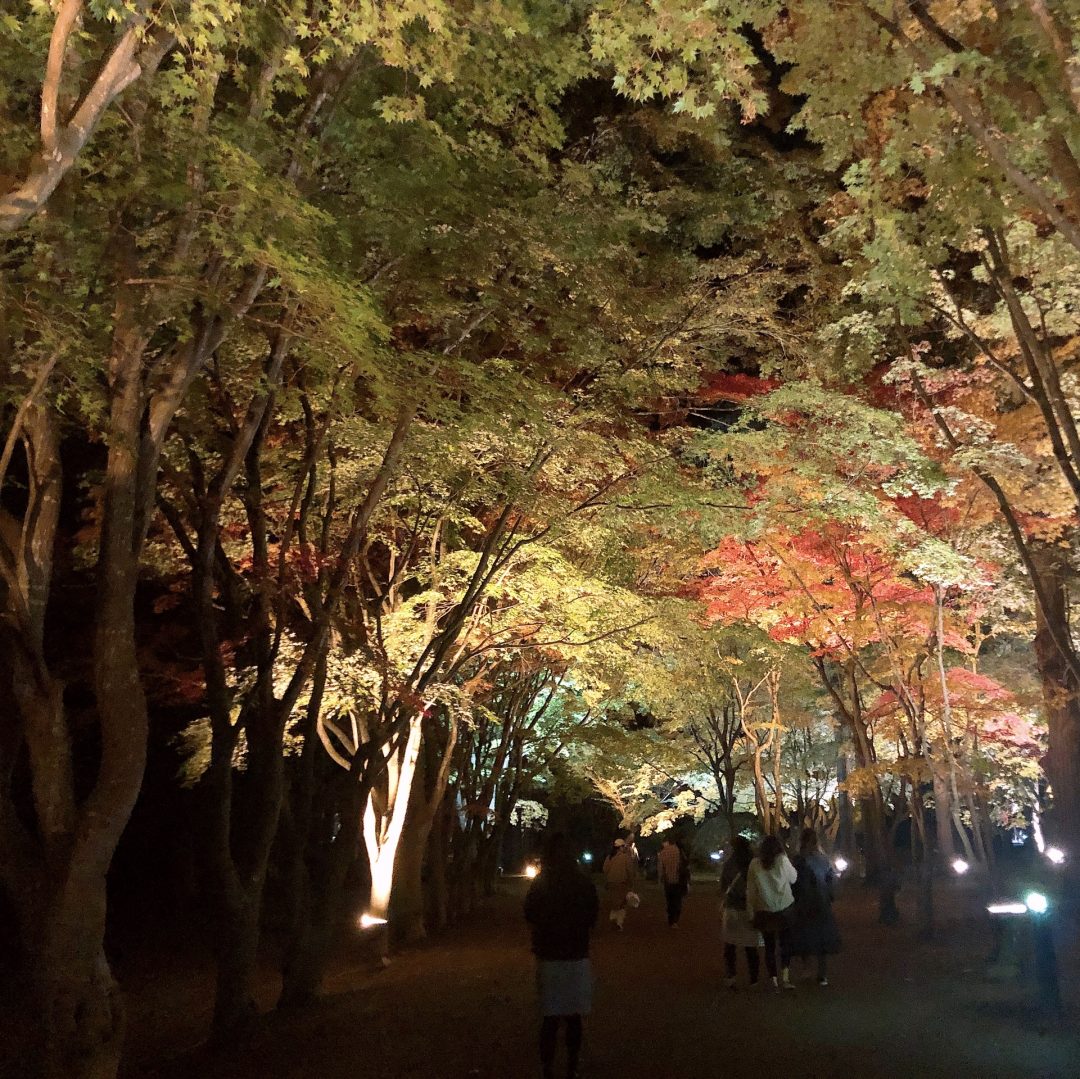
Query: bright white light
pixel 587 857
pixel 1007 908
pixel 841 864
pixel 531 871
pixel 1036 902
pixel 716 855
pixel 367 921
pixel 960 867
pixel 1055 854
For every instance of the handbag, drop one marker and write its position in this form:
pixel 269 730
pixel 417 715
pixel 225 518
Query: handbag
pixel 727 891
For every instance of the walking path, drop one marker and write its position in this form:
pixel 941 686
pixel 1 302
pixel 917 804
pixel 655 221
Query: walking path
pixel 462 1008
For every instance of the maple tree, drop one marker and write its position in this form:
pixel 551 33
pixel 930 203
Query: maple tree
pixel 449 404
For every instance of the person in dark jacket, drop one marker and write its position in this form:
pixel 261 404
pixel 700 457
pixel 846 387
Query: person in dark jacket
pixel 814 931
pixel 738 931
pixel 561 909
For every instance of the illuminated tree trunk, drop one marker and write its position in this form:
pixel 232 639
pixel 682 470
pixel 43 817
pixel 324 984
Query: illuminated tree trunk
pixel 407 912
pixel 384 817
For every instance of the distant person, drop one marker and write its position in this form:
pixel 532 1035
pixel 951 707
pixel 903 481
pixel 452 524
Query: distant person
pixel 769 902
pixel 814 931
pixel 561 909
pixel 738 932
pixel 672 867
pixel 620 872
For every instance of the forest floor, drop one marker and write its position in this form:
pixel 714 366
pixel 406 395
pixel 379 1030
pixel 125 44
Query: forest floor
pixel 462 1007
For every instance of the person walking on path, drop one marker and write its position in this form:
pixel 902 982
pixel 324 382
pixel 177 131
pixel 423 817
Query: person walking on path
pixel 561 908
pixel 769 901
pixel 620 872
pixel 814 931
pixel 673 871
pixel 737 931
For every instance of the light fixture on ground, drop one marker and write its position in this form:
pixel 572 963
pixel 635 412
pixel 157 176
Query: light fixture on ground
pixel 587 857
pixel 531 871
pixel 1007 908
pixel 841 864
pixel 369 921
pixel 1036 902
pixel 960 867
pixel 716 855
pixel 1055 855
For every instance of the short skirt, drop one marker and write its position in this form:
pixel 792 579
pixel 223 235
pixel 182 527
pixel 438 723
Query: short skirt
pixel 739 931
pixel 564 986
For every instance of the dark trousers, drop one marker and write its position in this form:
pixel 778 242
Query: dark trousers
pixel 753 961
pixel 549 1038
pixel 673 895
pixel 780 939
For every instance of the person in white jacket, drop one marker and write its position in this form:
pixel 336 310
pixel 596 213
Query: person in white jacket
pixel 769 903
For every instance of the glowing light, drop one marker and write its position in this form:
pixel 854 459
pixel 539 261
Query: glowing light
pixel 1036 902
pixel 531 871
pixel 716 855
pixel 841 864
pixel 1007 908
pixel 1055 854
pixel 587 857
pixel 960 867
pixel 369 921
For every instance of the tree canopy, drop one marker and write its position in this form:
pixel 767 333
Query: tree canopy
pixel 416 411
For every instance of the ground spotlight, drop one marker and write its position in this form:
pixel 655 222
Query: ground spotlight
pixel 1007 908
pixel 716 855
pixel 841 864
pixel 1055 854
pixel 369 921
pixel 1036 902
pixel 960 867
pixel 531 871
pixel 587 857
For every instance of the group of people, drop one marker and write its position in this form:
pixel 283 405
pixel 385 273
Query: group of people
pixel 768 900
pixel 621 873
pixel 785 907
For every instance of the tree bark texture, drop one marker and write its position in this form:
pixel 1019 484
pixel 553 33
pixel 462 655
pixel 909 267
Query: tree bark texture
pixel 1061 690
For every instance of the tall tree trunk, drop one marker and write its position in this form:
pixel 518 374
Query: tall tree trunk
pixel 407 920
pixel 383 836
pixel 845 830
pixel 943 817
pixel 437 896
pixel 1061 690
pixel 83 1010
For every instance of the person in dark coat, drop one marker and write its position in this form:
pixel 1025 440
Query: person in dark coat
pixel 561 909
pixel 737 930
pixel 814 932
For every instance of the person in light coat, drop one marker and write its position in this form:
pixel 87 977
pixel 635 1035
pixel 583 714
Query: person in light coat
pixel 769 901
pixel 620 872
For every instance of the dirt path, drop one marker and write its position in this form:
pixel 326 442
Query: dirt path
pixel 463 1008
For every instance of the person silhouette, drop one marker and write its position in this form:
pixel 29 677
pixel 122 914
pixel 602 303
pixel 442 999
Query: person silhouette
pixel 561 909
